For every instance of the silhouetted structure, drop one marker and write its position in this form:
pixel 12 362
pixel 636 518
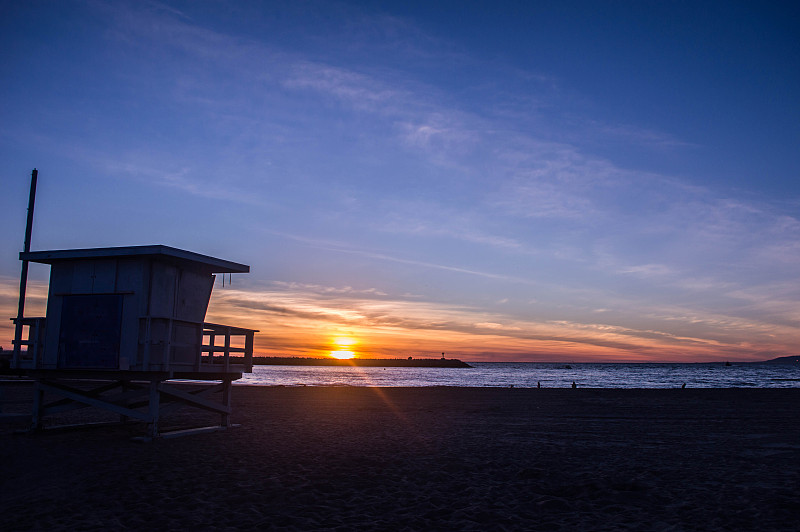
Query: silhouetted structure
pixel 134 318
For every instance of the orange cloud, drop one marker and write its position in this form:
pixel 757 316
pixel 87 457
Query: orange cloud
pixel 300 320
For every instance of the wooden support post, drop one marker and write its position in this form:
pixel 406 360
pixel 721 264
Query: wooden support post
pixel 167 360
pixel 154 409
pixel 122 417
pixel 226 400
pixel 198 361
pixel 38 406
pixel 248 351
pixel 147 341
pixel 227 349
pixel 37 344
pixel 211 341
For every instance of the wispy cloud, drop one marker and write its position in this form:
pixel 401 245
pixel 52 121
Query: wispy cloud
pixel 632 134
pixel 183 179
pixel 358 90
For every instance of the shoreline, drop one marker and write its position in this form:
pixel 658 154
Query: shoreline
pixel 427 458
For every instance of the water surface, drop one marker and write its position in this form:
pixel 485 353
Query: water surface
pixel 529 375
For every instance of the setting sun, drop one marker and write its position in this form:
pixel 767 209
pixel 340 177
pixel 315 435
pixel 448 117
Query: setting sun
pixel 342 344
pixel 344 341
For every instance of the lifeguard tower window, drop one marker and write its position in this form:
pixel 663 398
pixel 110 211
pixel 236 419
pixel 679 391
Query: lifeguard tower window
pixel 90 331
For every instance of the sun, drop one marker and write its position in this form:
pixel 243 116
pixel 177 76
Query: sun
pixel 342 343
pixel 345 341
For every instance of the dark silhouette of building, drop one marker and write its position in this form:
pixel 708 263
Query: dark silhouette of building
pixel 134 317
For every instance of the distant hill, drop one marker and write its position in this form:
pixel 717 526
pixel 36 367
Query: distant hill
pixel 783 360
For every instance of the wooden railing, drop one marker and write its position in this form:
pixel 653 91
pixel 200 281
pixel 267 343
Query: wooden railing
pixel 218 348
pixel 212 331
pixel 33 343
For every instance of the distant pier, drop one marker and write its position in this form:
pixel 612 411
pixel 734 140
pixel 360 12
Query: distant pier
pixel 363 362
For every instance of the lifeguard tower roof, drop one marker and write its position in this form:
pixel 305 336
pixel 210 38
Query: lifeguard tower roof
pixel 167 253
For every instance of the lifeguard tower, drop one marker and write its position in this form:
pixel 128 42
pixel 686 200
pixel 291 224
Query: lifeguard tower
pixel 122 323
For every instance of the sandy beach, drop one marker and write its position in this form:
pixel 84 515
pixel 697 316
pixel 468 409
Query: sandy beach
pixel 345 458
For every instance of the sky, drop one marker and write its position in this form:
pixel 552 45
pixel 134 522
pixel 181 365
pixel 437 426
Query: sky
pixel 497 181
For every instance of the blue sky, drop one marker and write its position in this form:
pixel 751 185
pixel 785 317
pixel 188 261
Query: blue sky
pixel 496 180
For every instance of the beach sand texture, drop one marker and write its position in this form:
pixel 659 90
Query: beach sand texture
pixel 344 458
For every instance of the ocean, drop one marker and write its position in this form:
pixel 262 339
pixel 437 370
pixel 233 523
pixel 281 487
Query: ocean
pixel 529 375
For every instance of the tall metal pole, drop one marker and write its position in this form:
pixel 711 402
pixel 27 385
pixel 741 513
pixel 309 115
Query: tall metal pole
pixel 23 278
